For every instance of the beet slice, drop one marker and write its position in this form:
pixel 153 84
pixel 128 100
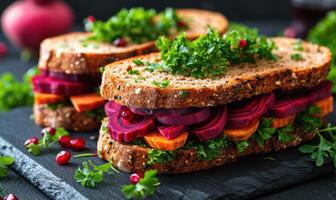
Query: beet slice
pixel 195 117
pixel 171 132
pixel 213 127
pixel 174 112
pixel 111 107
pixel 321 91
pixel 243 113
pixel 127 129
pixel 46 84
pixel 289 106
pixel 93 78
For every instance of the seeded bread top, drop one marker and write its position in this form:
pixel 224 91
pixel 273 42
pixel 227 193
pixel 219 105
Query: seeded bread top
pixel 72 53
pixel 240 81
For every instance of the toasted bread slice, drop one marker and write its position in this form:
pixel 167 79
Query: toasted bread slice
pixel 239 82
pixel 66 117
pixel 133 158
pixel 72 54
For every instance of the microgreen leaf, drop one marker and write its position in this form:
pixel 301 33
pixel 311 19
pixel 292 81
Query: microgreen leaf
pixel 285 133
pixel 162 84
pixel 209 149
pixel 5 161
pixel 159 156
pixel 242 146
pixel 264 132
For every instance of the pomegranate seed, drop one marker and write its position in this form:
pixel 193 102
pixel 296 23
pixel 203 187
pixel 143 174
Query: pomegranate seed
pixel 31 141
pixel 242 43
pixel 77 143
pixel 290 32
pixel 63 157
pixel 91 19
pixel 120 42
pixel 10 197
pixel 50 130
pixel 181 24
pixel 64 141
pixel 3 49
pixel 135 177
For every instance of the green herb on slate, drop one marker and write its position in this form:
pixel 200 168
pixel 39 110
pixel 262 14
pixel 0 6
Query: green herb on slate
pixel 5 161
pixel 90 175
pixel 145 187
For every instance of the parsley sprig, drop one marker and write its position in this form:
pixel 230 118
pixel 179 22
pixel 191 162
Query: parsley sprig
pixel 46 142
pixel 326 148
pixel 242 146
pixel 264 132
pixel 92 174
pixel 209 149
pixel 135 24
pixel 145 187
pixel 5 161
pixel 285 134
pixel 306 120
pixel 159 156
pixel 211 54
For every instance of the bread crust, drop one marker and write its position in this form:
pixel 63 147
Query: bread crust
pixel 133 158
pixel 67 54
pixel 239 82
pixel 66 117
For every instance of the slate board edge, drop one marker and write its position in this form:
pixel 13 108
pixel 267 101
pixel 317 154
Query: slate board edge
pixel 43 179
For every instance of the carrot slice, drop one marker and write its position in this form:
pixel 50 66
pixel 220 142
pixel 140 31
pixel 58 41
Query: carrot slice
pixel 86 102
pixel 326 105
pixel 241 134
pixel 282 122
pixel 157 141
pixel 45 98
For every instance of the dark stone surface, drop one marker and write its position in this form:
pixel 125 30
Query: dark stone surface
pixel 248 178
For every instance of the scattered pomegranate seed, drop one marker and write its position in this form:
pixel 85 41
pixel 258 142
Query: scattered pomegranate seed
pixel 135 177
pixel 77 143
pixel 64 141
pixel 91 19
pixel 31 141
pixel 50 130
pixel 242 43
pixel 63 157
pixel 10 197
pixel 120 42
pixel 3 49
pixel 181 24
pixel 290 32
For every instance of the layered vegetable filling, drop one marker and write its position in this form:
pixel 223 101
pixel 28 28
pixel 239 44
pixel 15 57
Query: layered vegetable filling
pixel 257 118
pixel 56 89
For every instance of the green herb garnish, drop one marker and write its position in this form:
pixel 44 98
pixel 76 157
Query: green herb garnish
pixel 92 174
pixel 242 146
pixel 134 72
pixel 46 142
pixel 183 94
pixel 145 187
pixel 14 93
pixel 211 54
pixel 162 84
pixel 135 24
pixel 264 132
pixel 326 148
pixel 159 156
pixel 97 114
pixel 5 161
pixel 296 56
pixel 285 133
pixel 138 62
pixel 209 149
pixel 298 45
pixel 306 121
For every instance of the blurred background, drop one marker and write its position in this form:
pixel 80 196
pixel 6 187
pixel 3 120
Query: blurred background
pixel 292 18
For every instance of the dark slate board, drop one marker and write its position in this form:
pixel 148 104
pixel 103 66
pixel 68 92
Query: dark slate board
pixel 247 178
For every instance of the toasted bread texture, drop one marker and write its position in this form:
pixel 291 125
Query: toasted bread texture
pixel 133 158
pixel 66 117
pixel 73 54
pixel 239 82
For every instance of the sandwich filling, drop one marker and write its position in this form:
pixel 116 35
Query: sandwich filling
pixel 255 119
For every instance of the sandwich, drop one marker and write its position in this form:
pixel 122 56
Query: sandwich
pixel 204 103
pixel 66 90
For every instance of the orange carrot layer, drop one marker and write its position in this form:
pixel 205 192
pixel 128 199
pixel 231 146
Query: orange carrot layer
pixel 86 102
pixel 282 122
pixel 242 134
pixel 45 98
pixel 156 141
pixel 326 105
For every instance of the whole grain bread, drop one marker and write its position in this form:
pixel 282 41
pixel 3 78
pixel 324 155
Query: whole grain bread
pixel 240 81
pixel 133 158
pixel 73 54
pixel 64 116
